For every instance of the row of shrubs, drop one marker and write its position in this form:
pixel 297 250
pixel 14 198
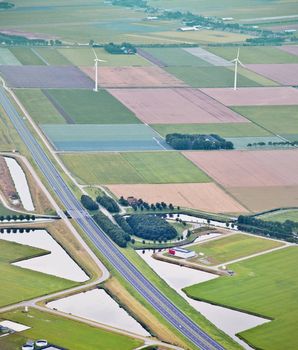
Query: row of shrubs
pixel 20 217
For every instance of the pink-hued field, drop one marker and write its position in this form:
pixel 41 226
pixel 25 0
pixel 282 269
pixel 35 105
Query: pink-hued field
pixel 133 77
pixel 258 96
pixel 175 106
pixel 265 198
pixel 292 49
pixel 285 74
pixel 203 196
pixel 249 168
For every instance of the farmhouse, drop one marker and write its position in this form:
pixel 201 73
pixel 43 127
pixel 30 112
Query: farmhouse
pixel 182 253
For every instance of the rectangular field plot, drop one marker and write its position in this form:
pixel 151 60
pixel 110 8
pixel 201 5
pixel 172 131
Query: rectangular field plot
pixel 176 57
pixel 265 285
pixel 260 96
pixel 207 197
pixel 243 142
pixel 284 74
pixel 133 77
pixel 133 167
pixel 232 247
pixel 204 77
pixel 282 120
pixel 249 168
pixel 86 56
pixel 292 49
pixel 89 107
pixel 26 56
pixel 255 54
pixel 8 58
pixel 208 57
pixel 45 77
pixel 265 198
pixel 168 106
pixel 222 129
pixel 39 107
pixel 52 56
pixel 90 137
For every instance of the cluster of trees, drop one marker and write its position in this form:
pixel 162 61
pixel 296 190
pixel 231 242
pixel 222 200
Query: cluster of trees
pixel 151 227
pixel 273 143
pixel 197 142
pixel 89 203
pixel 4 5
pixel 109 203
pixel 117 234
pixel 20 217
pixel 130 3
pixel 286 230
pixel 120 49
pixel 15 230
pixel 123 224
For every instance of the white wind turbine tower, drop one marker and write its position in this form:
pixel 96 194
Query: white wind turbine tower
pixel 96 60
pixel 236 61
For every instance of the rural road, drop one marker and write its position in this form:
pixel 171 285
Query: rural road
pixel 102 242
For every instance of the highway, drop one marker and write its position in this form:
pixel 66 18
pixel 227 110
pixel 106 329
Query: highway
pixel 103 243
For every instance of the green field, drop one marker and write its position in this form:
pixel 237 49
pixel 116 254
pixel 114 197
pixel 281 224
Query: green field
pixel 255 54
pixel 278 119
pixel 62 332
pixel 12 290
pixel 242 142
pixel 53 56
pixel 5 211
pixel 130 168
pixel 26 56
pixel 281 216
pixel 266 285
pixel 7 58
pixel 177 57
pixel 89 107
pixel 85 57
pixel 233 247
pixel 39 107
pixel 209 77
pixel 222 129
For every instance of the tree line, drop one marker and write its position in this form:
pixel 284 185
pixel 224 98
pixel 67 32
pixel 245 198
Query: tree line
pixel 197 142
pixel 107 202
pixel 273 143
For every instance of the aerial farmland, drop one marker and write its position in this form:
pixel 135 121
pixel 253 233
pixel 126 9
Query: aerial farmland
pixel 157 144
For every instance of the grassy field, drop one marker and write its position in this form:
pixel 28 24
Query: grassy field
pixel 233 247
pixel 39 107
pixel 266 285
pixel 242 142
pixel 85 57
pixel 281 216
pixel 26 56
pixel 5 211
pixel 209 77
pixel 255 54
pixel 37 283
pixel 53 56
pixel 62 332
pixel 131 168
pixel 278 119
pixel 7 58
pixel 222 129
pixel 177 57
pixel 89 107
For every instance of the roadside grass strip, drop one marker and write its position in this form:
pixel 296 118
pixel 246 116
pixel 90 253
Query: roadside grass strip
pixel 64 332
pixel 88 137
pixel 133 168
pixel 266 285
pixel 36 283
pixel 8 58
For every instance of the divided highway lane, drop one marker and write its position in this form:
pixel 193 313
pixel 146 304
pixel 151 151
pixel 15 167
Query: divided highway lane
pixel 162 304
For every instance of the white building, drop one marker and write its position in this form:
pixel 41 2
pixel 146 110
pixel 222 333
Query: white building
pixel 181 253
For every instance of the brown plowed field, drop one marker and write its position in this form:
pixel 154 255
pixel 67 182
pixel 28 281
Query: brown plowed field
pixel 292 49
pixel 133 77
pixel 266 198
pixel 204 196
pixel 285 74
pixel 249 168
pixel 259 96
pixel 175 106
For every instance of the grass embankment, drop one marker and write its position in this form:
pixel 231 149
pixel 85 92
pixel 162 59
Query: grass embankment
pixel 63 332
pixel 133 168
pixel 233 247
pixel 266 285
pixel 281 216
pixel 34 283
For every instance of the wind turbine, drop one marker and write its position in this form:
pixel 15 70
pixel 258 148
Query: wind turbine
pixel 236 61
pixel 96 60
